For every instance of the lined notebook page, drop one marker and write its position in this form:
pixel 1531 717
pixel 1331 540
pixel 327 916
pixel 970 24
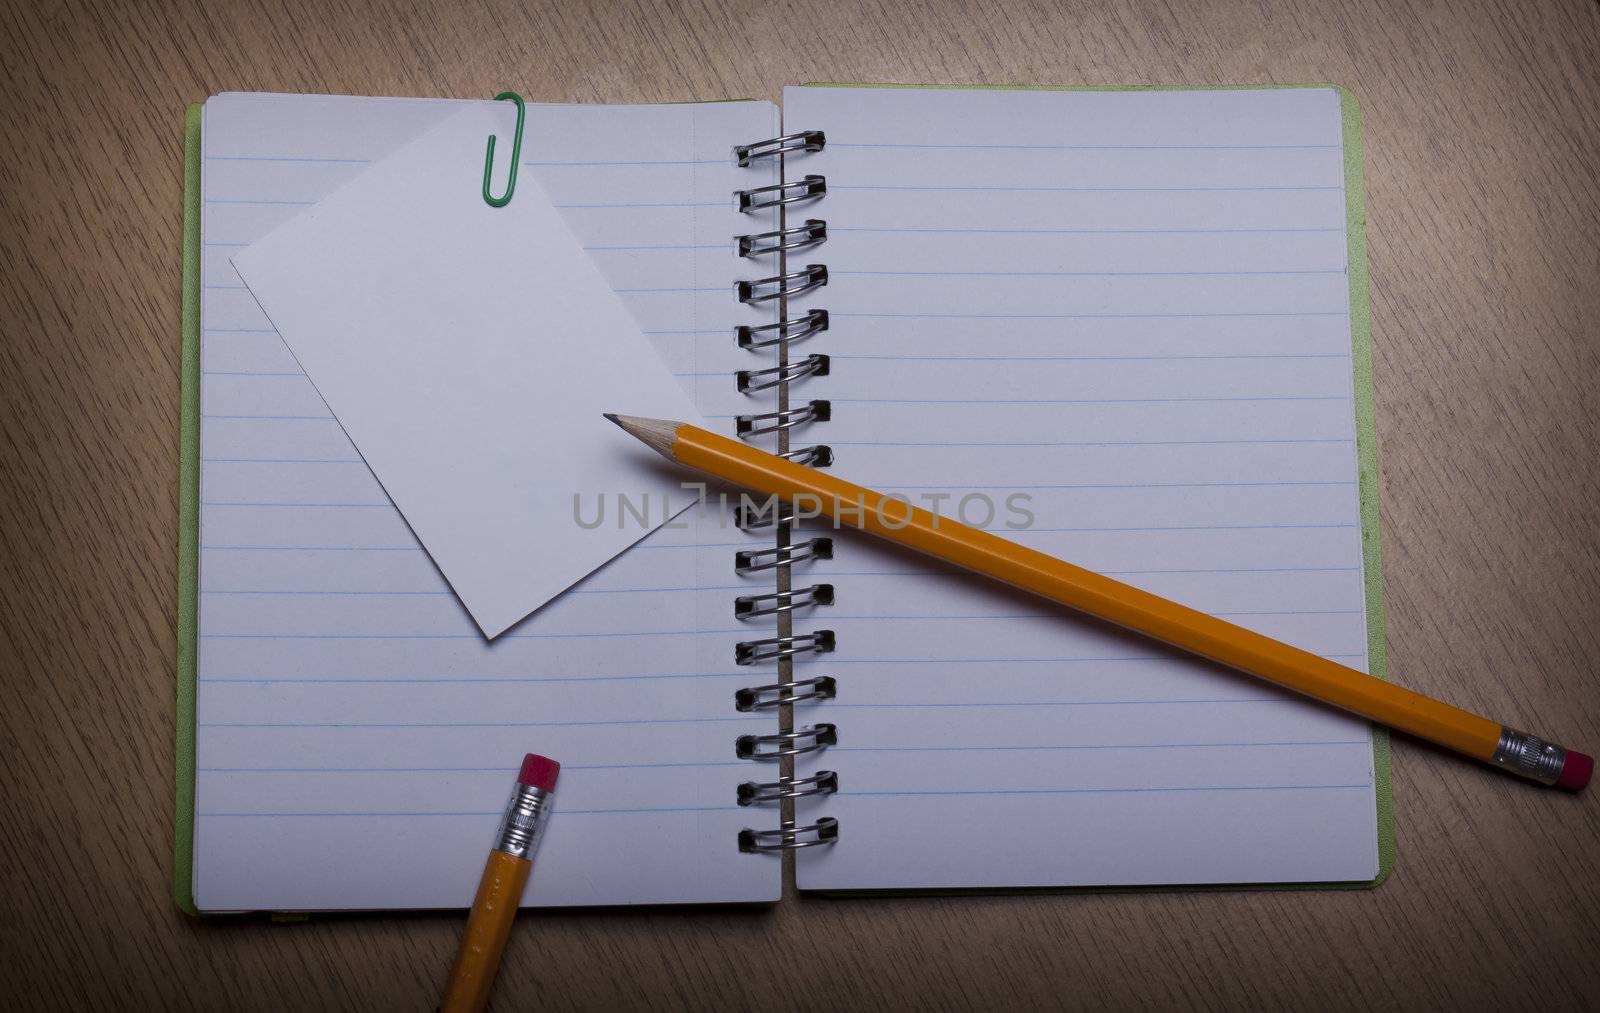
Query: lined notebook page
pixel 357 738
pixel 1132 308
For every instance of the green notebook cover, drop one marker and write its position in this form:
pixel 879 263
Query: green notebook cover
pixel 188 519
pixel 189 467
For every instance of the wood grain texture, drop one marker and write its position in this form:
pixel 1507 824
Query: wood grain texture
pixel 1483 166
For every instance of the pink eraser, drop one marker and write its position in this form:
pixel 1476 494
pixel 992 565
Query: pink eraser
pixel 1575 773
pixel 541 772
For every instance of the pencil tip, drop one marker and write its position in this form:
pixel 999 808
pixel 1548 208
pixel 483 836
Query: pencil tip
pixel 657 434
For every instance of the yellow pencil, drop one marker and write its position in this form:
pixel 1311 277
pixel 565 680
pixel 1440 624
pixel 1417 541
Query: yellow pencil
pixel 505 876
pixel 1127 606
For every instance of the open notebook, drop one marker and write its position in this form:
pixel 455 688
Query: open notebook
pixel 1133 321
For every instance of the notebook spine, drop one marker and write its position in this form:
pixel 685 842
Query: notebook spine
pixel 784 375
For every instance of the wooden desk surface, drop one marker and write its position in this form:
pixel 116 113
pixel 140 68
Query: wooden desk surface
pixel 1483 167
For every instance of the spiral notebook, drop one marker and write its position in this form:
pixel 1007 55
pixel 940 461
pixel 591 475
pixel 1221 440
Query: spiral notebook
pixel 1131 323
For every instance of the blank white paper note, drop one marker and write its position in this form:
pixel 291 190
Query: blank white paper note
pixel 1131 308
pixel 469 352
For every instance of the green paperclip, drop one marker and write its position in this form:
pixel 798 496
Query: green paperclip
pixel 516 156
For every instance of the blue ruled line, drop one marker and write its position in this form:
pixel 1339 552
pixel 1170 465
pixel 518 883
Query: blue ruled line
pixel 1093 316
pixel 734 545
pixel 1176 656
pixel 1111 791
pixel 1206 527
pixel 540 164
pixel 1085 274
pixel 450 594
pixel 1056 616
pixel 738 631
pixel 652 204
pixel 742 763
pixel 435 680
pixel 831 574
pixel 268 418
pixel 432 680
pixel 487 812
pixel 1179 399
pixel 956 574
pixel 621 161
pixel 662 246
pixel 636 291
pixel 310 548
pixel 242 592
pixel 460 770
pixel 1086 443
pixel 463 636
pixel 1135 746
pixel 1132 485
pixel 469 724
pixel 989 704
pixel 286 158
pixel 1013 188
pixel 1130 230
pixel 1092 147
pixel 248 372
pixel 1092 358
pixel 243 503
pixel 281 460
pixel 417 548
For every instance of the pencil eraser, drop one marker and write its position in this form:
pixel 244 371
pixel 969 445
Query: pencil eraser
pixel 1575 773
pixel 541 772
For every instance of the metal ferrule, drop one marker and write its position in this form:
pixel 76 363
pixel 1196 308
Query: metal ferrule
pixel 523 822
pixel 1529 756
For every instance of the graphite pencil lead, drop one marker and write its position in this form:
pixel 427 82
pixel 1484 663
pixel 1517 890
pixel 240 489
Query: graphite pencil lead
pixel 657 434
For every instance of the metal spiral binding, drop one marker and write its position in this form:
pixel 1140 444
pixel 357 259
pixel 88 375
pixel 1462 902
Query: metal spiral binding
pixel 818 456
pixel 753 516
pixel 802 740
pixel 751 380
pixel 813 233
pixel 750 606
pixel 782 195
pixel 750 652
pixel 805 140
pixel 772 422
pixel 782 286
pixel 784 603
pixel 752 560
pixel 823 687
pixel 823 782
pixel 783 332
pixel 791 838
